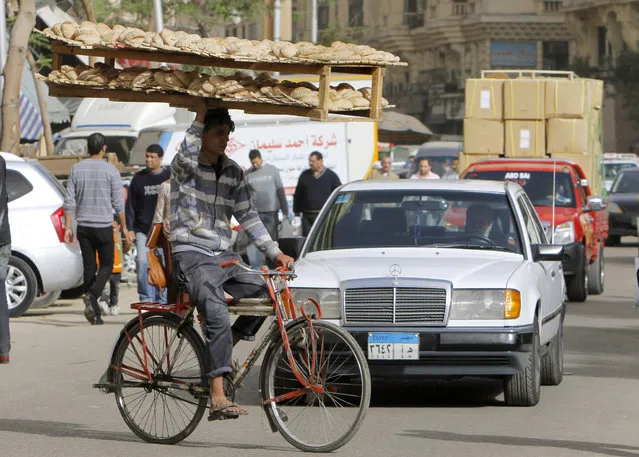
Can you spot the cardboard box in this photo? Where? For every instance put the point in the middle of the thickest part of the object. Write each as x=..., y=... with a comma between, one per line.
x=568, y=136
x=524, y=99
x=596, y=93
x=591, y=165
x=484, y=99
x=567, y=98
x=525, y=138
x=483, y=136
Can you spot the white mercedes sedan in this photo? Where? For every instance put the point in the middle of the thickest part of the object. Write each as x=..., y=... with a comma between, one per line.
x=439, y=278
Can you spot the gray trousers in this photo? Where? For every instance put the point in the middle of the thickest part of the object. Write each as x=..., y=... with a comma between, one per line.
x=207, y=281
x=5, y=335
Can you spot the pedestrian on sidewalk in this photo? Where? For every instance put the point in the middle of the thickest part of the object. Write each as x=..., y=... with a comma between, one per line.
x=94, y=193
x=267, y=197
x=5, y=253
x=314, y=187
x=140, y=206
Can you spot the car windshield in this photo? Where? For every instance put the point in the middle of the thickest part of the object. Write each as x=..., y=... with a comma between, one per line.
x=121, y=145
x=626, y=183
x=403, y=218
x=537, y=184
x=613, y=169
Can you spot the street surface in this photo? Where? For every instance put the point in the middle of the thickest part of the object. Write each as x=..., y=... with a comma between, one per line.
x=48, y=408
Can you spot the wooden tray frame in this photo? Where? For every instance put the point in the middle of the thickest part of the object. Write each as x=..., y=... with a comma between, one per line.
x=322, y=69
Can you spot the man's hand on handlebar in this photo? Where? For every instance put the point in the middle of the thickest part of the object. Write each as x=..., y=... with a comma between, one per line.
x=282, y=260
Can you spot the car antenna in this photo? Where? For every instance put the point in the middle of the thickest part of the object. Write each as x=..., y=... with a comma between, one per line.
x=554, y=185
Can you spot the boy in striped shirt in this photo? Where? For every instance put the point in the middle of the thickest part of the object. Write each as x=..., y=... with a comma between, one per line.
x=207, y=189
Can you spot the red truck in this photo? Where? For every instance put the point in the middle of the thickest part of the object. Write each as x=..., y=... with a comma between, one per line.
x=578, y=219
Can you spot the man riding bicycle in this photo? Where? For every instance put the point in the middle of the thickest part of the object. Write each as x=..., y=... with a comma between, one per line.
x=207, y=189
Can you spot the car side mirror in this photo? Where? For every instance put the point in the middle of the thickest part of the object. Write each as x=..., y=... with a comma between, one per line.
x=292, y=246
x=547, y=252
x=596, y=204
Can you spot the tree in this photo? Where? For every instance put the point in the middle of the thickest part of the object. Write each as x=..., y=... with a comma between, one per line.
x=202, y=14
x=18, y=48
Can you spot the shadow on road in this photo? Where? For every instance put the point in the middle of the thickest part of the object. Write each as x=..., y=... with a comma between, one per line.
x=617, y=450
x=69, y=430
x=465, y=392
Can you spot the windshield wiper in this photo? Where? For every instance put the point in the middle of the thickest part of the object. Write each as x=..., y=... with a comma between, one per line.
x=492, y=247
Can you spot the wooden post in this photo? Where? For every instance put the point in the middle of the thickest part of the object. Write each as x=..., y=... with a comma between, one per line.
x=90, y=12
x=42, y=103
x=324, y=89
x=376, y=93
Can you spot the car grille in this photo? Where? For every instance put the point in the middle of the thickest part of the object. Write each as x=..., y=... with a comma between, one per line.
x=395, y=305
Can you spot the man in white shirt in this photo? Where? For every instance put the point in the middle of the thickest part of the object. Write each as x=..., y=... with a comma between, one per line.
x=424, y=171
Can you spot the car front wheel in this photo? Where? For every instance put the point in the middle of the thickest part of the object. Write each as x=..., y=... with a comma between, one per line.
x=21, y=286
x=524, y=389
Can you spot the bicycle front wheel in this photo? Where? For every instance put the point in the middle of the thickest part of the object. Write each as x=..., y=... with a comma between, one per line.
x=331, y=358
x=166, y=408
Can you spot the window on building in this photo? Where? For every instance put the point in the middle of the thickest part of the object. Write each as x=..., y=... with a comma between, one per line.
x=463, y=7
x=251, y=31
x=604, y=48
x=556, y=55
x=323, y=18
x=356, y=13
x=552, y=6
x=414, y=13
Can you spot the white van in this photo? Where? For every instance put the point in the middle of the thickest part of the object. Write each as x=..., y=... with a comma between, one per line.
x=119, y=122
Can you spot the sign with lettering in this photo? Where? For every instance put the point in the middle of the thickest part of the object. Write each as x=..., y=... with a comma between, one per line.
x=513, y=54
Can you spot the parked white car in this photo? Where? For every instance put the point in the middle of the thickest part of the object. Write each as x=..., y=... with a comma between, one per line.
x=41, y=262
x=440, y=278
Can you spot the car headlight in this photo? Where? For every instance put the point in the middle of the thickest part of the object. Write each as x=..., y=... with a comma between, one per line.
x=564, y=233
x=470, y=304
x=328, y=300
x=614, y=208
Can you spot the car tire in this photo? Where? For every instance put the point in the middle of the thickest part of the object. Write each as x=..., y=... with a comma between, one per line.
x=613, y=240
x=524, y=389
x=577, y=285
x=21, y=286
x=46, y=299
x=552, y=363
x=596, y=274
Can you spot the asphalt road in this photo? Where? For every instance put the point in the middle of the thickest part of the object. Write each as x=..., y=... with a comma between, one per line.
x=48, y=408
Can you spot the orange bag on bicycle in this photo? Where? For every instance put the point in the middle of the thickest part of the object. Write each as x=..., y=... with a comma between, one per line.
x=155, y=275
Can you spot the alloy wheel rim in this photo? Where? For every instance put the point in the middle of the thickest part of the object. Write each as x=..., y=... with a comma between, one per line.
x=17, y=287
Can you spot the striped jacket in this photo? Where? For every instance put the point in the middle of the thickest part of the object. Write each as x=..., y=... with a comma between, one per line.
x=202, y=206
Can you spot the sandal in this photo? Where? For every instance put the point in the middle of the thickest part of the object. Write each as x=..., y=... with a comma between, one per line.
x=223, y=412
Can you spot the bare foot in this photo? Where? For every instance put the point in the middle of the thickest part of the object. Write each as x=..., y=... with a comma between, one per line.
x=221, y=402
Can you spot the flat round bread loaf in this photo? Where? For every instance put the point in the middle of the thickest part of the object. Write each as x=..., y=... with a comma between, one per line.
x=168, y=36
x=68, y=29
x=88, y=39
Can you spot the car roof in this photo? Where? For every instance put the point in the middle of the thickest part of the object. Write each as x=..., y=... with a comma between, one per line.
x=536, y=164
x=440, y=149
x=469, y=185
x=9, y=157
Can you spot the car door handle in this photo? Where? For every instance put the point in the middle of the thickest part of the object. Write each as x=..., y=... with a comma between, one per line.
x=552, y=273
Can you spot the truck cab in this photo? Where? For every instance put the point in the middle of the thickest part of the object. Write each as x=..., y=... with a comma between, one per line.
x=570, y=213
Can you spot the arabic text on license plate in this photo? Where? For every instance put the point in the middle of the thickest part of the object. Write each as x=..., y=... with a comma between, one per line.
x=393, y=346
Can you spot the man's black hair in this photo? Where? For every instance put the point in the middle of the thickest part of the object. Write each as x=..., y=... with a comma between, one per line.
x=156, y=148
x=254, y=153
x=218, y=116
x=317, y=154
x=95, y=143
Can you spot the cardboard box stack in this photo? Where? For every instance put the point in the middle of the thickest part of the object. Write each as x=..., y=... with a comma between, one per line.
x=534, y=117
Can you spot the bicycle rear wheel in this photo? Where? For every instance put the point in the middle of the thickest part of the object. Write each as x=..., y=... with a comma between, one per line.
x=317, y=422
x=167, y=408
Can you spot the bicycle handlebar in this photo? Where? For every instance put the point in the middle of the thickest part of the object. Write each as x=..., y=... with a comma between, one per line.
x=280, y=271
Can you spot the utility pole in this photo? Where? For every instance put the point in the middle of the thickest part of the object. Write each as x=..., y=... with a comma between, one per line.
x=159, y=18
x=277, y=20
x=314, y=22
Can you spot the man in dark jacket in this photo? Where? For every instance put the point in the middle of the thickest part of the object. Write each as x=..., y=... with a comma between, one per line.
x=314, y=187
x=140, y=208
x=5, y=253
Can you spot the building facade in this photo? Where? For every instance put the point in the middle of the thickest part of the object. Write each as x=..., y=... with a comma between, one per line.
x=447, y=41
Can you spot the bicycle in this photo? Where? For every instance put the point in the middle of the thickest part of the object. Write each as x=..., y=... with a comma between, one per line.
x=314, y=374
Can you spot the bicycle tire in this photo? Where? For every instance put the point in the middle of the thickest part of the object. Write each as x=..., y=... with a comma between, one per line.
x=276, y=379
x=146, y=408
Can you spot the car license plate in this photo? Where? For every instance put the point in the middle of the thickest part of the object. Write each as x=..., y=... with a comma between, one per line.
x=393, y=346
